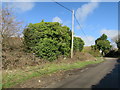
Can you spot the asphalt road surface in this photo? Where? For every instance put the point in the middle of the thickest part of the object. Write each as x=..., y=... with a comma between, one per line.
x=104, y=75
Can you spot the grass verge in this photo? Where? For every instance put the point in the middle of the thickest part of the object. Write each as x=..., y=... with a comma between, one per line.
x=13, y=77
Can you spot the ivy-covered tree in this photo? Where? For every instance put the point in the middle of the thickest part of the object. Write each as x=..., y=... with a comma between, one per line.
x=103, y=44
x=78, y=44
x=47, y=40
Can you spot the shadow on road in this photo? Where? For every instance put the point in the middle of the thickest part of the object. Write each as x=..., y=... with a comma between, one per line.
x=111, y=80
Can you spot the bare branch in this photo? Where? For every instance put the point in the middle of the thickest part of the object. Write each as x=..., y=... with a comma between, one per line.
x=10, y=25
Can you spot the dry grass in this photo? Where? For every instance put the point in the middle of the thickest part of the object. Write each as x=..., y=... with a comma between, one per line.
x=19, y=59
x=14, y=56
x=88, y=49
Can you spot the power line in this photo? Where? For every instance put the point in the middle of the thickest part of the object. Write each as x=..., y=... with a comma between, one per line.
x=72, y=25
x=62, y=6
x=80, y=27
x=74, y=16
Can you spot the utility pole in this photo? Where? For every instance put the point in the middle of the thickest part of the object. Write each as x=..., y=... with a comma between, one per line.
x=72, y=33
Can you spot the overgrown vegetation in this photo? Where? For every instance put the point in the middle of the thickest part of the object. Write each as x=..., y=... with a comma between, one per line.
x=78, y=44
x=48, y=40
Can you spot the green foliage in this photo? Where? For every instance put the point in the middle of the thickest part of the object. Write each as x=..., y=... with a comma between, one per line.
x=103, y=37
x=78, y=44
x=118, y=43
x=103, y=44
x=94, y=47
x=47, y=49
x=47, y=40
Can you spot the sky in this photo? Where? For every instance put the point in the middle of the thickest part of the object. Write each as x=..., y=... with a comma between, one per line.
x=95, y=18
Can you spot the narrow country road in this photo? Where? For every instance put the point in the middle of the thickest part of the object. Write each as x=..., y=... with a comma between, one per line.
x=104, y=75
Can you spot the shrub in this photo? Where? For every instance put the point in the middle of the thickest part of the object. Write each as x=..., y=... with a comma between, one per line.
x=78, y=44
x=47, y=40
x=47, y=49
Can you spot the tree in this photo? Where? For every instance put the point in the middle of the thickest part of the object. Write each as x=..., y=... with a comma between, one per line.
x=103, y=37
x=103, y=44
x=48, y=40
x=10, y=25
x=78, y=44
x=116, y=39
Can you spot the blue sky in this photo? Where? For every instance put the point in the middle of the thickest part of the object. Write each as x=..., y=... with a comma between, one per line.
x=95, y=18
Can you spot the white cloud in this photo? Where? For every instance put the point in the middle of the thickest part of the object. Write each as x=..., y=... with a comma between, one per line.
x=110, y=33
x=56, y=19
x=22, y=6
x=88, y=40
x=86, y=9
x=114, y=45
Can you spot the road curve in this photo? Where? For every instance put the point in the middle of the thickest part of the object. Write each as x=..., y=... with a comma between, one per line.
x=104, y=75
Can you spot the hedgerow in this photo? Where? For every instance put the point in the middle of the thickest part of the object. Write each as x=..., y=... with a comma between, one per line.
x=48, y=40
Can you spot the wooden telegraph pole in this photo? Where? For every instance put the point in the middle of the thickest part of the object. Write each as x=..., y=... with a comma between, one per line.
x=72, y=33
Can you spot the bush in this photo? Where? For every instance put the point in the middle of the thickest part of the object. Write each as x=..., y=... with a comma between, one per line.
x=47, y=49
x=78, y=44
x=47, y=40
